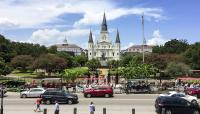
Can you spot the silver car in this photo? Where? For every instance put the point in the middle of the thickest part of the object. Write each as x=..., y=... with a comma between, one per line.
x=33, y=92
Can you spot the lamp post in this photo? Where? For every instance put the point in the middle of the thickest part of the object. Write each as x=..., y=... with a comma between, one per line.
x=97, y=76
x=2, y=93
x=108, y=77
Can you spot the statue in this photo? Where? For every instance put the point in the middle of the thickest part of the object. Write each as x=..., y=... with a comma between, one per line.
x=103, y=56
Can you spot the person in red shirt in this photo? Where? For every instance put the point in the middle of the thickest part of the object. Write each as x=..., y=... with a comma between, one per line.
x=38, y=102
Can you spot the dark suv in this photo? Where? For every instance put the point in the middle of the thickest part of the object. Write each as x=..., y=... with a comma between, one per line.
x=61, y=96
x=175, y=105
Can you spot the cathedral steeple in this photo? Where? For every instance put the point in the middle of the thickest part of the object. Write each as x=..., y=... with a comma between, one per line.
x=104, y=23
x=117, y=37
x=90, y=38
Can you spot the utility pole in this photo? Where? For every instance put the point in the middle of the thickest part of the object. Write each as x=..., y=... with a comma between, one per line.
x=144, y=41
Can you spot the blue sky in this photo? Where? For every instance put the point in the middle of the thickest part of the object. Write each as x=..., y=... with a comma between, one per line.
x=48, y=22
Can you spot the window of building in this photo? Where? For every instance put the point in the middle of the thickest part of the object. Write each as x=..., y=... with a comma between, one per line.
x=113, y=54
x=95, y=54
x=90, y=53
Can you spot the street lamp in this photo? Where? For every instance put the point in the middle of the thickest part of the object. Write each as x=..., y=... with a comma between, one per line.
x=2, y=93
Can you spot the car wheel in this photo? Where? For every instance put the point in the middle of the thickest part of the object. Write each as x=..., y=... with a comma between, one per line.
x=70, y=101
x=48, y=102
x=196, y=112
x=42, y=102
x=24, y=96
x=107, y=95
x=89, y=95
x=194, y=102
x=168, y=112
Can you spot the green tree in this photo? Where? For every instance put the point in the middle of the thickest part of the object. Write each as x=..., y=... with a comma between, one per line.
x=172, y=46
x=80, y=60
x=73, y=73
x=161, y=60
x=52, y=49
x=113, y=64
x=4, y=68
x=22, y=62
x=68, y=58
x=93, y=64
x=138, y=71
x=175, y=69
x=50, y=63
x=192, y=56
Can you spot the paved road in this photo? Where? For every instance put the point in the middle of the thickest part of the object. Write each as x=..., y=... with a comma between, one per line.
x=119, y=104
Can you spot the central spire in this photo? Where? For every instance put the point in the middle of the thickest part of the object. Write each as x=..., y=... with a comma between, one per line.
x=104, y=24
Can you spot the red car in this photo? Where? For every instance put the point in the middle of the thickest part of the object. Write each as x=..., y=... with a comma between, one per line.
x=193, y=91
x=99, y=91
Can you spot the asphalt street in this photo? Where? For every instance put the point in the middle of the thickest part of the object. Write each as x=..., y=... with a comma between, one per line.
x=119, y=104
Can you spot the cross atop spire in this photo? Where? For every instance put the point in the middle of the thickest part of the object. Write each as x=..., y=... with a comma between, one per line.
x=90, y=37
x=104, y=23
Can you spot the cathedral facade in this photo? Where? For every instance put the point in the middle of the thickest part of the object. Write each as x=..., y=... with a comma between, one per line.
x=104, y=49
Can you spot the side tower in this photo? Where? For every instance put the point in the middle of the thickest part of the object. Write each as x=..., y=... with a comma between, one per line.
x=90, y=47
x=117, y=46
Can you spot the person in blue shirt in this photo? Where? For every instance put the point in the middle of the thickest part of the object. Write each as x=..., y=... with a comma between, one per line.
x=91, y=108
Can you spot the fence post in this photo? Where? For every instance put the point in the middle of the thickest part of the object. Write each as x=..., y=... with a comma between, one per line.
x=45, y=111
x=163, y=110
x=104, y=110
x=133, y=110
x=75, y=110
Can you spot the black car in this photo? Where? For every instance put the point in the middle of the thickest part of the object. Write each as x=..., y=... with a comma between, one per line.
x=61, y=96
x=175, y=105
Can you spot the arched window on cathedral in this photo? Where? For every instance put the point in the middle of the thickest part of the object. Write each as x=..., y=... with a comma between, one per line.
x=90, y=53
x=113, y=54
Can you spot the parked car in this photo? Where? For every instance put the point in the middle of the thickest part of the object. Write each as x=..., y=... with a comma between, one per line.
x=98, y=91
x=33, y=92
x=193, y=91
x=175, y=105
x=61, y=96
x=189, y=98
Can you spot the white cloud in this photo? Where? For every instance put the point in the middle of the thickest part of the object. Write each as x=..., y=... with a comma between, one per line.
x=157, y=39
x=53, y=36
x=91, y=17
x=6, y=23
x=32, y=13
x=127, y=46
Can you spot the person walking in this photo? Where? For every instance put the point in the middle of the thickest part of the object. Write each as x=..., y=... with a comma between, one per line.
x=56, y=108
x=38, y=102
x=91, y=108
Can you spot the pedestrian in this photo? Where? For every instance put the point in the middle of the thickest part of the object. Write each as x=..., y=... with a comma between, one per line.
x=38, y=102
x=91, y=108
x=56, y=108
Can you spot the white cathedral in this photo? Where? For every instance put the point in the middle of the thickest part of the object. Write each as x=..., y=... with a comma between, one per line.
x=104, y=49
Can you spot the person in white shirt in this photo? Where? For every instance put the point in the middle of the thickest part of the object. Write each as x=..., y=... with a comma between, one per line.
x=57, y=108
x=91, y=108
